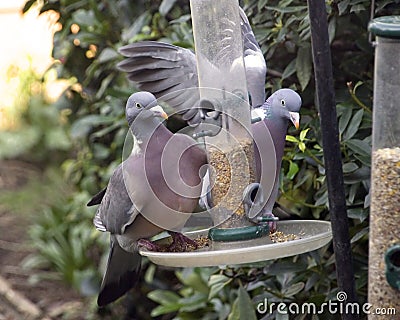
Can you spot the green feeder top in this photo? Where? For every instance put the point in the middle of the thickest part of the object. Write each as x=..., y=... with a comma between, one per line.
x=387, y=26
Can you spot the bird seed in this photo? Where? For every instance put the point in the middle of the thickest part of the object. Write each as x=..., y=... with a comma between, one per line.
x=233, y=172
x=279, y=236
x=384, y=225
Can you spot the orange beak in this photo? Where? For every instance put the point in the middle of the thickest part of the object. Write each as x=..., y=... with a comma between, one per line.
x=159, y=112
x=295, y=118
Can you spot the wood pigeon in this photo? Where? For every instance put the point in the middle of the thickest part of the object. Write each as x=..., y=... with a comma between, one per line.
x=155, y=188
x=280, y=108
x=166, y=70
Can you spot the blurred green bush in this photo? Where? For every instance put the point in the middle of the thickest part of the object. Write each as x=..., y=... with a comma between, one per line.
x=40, y=128
x=86, y=47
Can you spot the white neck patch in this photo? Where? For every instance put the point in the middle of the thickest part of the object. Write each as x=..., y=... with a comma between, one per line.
x=136, y=146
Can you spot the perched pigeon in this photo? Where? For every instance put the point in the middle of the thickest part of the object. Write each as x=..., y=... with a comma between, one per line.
x=280, y=108
x=166, y=70
x=146, y=186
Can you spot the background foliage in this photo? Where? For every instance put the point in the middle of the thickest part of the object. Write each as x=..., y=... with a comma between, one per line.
x=85, y=50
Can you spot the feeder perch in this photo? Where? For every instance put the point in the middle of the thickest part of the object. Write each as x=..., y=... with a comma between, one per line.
x=385, y=170
x=392, y=261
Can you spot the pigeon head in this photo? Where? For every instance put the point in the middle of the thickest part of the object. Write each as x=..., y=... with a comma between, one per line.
x=143, y=105
x=282, y=105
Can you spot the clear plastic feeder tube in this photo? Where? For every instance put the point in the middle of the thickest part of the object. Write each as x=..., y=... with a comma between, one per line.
x=385, y=171
x=222, y=80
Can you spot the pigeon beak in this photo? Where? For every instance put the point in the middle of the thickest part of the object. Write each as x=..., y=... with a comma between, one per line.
x=295, y=118
x=158, y=111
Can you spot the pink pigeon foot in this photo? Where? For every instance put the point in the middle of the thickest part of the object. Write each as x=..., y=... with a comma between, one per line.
x=151, y=246
x=270, y=219
x=181, y=242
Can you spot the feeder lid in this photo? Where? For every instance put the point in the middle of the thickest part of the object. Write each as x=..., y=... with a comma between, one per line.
x=387, y=26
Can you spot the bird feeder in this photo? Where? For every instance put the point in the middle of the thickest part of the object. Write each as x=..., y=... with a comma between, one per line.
x=224, y=105
x=236, y=235
x=385, y=172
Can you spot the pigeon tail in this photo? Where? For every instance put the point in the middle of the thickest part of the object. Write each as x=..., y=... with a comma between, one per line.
x=97, y=198
x=122, y=273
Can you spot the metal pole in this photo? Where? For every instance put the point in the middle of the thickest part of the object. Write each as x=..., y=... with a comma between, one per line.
x=332, y=155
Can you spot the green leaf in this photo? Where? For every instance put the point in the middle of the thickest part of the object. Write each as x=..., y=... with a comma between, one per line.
x=323, y=199
x=292, y=139
x=242, y=307
x=303, y=134
x=293, y=289
x=293, y=169
x=354, y=124
x=289, y=70
x=364, y=159
x=34, y=261
x=193, y=279
x=345, y=117
x=14, y=144
x=193, y=302
x=160, y=310
x=166, y=6
x=342, y=6
x=357, y=213
x=84, y=18
x=105, y=84
x=149, y=275
x=357, y=8
x=214, y=289
x=358, y=146
x=82, y=126
x=261, y=4
x=287, y=9
x=358, y=84
x=217, y=278
x=332, y=28
x=359, y=235
x=286, y=267
x=302, y=146
x=57, y=139
x=304, y=66
x=107, y=54
x=136, y=27
x=349, y=167
x=164, y=297
x=352, y=192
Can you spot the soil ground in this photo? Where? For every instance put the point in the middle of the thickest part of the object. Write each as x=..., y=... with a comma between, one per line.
x=20, y=297
x=51, y=298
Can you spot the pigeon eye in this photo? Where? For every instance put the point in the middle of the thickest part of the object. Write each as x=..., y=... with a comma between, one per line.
x=283, y=103
x=138, y=105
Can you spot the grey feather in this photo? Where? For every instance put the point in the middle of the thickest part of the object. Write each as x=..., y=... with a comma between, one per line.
x=162, y=68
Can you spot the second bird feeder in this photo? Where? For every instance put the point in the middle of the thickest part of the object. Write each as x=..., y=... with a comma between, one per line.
x=384, y=241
